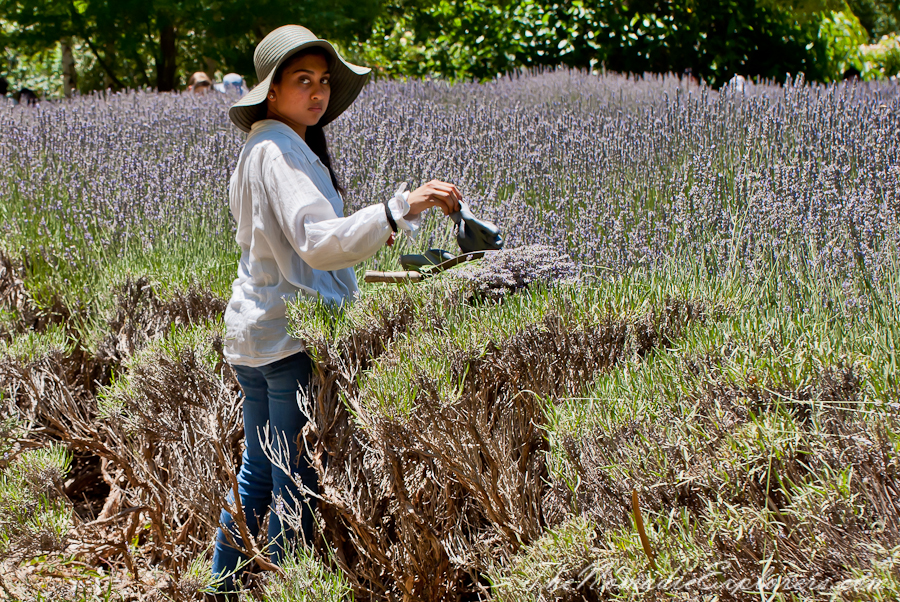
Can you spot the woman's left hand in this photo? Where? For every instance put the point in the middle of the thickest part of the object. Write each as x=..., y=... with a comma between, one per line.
x=434, y=194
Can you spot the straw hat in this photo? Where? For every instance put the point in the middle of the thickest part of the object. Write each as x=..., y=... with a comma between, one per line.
x=347, y=79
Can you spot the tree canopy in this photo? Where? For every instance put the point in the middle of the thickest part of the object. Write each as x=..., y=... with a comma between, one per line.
x=713, y=39
x=141, y=43
x=158, y=43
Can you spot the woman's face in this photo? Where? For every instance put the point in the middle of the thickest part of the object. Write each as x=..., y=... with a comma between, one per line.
x=301, y=97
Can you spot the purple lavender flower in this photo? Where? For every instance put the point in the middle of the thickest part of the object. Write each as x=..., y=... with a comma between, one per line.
x=509, y=270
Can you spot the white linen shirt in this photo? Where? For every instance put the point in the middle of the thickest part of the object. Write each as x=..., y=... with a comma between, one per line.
x=294, y=239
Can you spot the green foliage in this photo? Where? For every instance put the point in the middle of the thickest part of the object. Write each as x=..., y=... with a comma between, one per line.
x=36, y=67
x=843, y=36
x=879, y=17
x=881, y=59
x=478, y=39
x=34, y=516
x=158, y=43
x=304, y=579
x=196, y=340
x=558, y=554
x=196, y=582
x=31, y=345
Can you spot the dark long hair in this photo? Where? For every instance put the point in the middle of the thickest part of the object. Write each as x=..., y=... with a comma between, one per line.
x=315, y=140
x=315, y=134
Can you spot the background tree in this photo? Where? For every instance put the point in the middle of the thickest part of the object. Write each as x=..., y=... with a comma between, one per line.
x=154, y=43
x=718, y=39
x=714, y=39
x=157, y=43
x=878, y=17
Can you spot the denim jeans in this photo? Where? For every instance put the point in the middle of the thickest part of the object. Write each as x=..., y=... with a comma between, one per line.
x=270, y=397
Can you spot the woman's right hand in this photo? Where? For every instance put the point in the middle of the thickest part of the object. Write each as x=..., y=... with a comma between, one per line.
x=434, y=194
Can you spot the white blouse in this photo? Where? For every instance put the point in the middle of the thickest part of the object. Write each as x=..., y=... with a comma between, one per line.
x=293, y=238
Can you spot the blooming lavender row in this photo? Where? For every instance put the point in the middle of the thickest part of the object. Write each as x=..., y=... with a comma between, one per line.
x=112, y=168
x=614, y=171
x=619, y=172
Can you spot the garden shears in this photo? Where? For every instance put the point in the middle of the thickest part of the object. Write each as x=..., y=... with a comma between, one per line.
x=475, y=237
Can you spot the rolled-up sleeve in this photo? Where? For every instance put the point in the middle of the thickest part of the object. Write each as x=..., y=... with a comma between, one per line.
x=320, y=237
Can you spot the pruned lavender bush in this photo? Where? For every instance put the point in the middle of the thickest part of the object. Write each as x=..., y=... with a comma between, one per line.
x=142, y=315
x=304, y=578
x=510, y=270
x=35, y=516
x=160, y=443
x=175, y=421
x=430, y=448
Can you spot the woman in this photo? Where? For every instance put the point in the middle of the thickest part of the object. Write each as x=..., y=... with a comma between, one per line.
x=294, y=240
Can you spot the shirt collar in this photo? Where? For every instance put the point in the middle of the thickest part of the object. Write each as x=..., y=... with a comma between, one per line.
x=264, y=126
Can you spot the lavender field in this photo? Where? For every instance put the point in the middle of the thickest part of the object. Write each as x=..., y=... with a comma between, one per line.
x=727, y=355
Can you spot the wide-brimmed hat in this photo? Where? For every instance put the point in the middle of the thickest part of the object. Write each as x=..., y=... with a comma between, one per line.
x=346, y=78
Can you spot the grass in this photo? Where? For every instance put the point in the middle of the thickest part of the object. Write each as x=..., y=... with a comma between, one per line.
x=762, y=436
x=773, y=394
x=305, y=579
x=82, y=277
x=748, y=434
x=34, y=517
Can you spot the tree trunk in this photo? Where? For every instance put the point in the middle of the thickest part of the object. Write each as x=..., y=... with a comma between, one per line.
x=165, y=59
x=108, y=79
x=69, y=76
x=211, y=66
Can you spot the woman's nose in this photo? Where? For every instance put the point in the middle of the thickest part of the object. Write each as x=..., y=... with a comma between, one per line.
x=319, y=92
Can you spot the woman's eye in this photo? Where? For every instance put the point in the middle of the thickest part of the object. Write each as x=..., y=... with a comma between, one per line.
x=325, y=81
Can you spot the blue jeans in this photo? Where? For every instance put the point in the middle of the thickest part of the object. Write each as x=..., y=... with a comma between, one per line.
x=270, y=396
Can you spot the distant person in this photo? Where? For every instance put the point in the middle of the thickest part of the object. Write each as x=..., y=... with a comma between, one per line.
x=232, y=83
x=851, y=74
x=4, y=86
x=738, y=83
x=199, y=83
x=689, y=77
x=26, y=96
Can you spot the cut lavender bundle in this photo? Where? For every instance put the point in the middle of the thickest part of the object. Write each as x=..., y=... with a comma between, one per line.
x=510, y=270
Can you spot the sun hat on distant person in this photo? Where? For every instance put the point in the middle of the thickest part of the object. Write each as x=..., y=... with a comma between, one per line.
x=347, y=79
